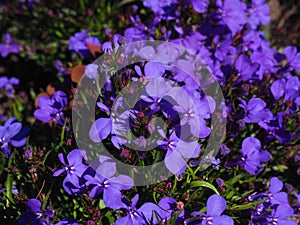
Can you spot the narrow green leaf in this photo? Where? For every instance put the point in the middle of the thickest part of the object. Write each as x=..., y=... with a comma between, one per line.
x=204, y=184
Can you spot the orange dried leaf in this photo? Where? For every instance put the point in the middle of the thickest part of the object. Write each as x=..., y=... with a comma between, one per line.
x=76, y=73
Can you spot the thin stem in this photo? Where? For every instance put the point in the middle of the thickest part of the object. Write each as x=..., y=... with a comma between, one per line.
x=9, y=180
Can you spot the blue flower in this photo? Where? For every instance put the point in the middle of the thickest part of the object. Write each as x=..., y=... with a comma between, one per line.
x=215, y=206
x=246, y=69
x=78, y=43
x=177, y=151
x=255, y=110
x=288, y=87
x=232, y=13
x=148, y=213
x=293, y=58
x=9, y=46
x=105, y=182
x=253, y=156
x=74, y=169
x=259, y=13
x=52, y=109
x=7, y=85
x=11, y=133
x=35, y=215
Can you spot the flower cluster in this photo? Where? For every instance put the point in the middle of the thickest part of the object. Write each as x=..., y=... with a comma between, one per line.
x=191, y=94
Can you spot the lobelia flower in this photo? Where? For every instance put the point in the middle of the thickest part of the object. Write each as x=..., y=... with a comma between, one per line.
x=253, y=156
x=35, y=215
x=15, y=191
x=67, y=221
x=51, y=109
x=78, y=43
x=200, y=6
x=102, y=127
x=232, y=13
x=105, y=182
x=12, y=133
x=156, y=89
x=165, y=9
x=192, y=113
x=60, y=68
x=264, y=56
x=278, y=216
x=288, y=87
x=91, y=71
x=148, y=213
x=9, y=46
x=177, y=151
x=225, y=52
x=255, y=110
x=170, y=209
x=259, y=13
x=274, y=195
x=7, y=85
x=246, y=69
x=215, y=206
x=74, y=169
x=293, y=58
x=276, y=128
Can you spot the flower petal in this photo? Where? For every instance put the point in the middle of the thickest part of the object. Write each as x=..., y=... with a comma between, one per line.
x=100, y=129
x=215, y=205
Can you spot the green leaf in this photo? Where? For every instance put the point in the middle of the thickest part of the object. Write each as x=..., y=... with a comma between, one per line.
x=246, y=206
x=204, y=184
x=102, y=204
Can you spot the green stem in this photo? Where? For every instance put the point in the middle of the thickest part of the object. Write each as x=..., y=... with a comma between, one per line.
x=9, y=181
x=45, y=200
x=82, y=5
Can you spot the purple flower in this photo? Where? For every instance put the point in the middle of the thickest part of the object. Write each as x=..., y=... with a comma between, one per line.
x=35, y=215
x=9, y=46
x=276, y=128
x=102, y=127
x=78, y=43
x=91, y=71
x=170, y=209
x=51, y=109
x=177, y=150
x=67, y=221
x=274, y=195
x=287, y=87
x=7, y=85
x=246, y=69
x=278, y=216
x=114, y=125
x=60, y=68
x=200, y=6
x=255, y=110
x=74, y=168
x=148, y=213
x=292, y=57
x=215, y=206
x=105, y=182
x=11, y=133
x=15, y=191
x=253, y=156
x=259, y=13
x=166, y=9
x=264, y=56
x=224, y=150
x=225, y=52
x=192, y=113
x=232, y=13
